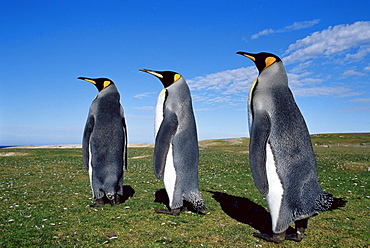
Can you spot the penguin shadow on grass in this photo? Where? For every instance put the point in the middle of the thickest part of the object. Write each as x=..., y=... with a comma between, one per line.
x=128, y=192
x=245, y=211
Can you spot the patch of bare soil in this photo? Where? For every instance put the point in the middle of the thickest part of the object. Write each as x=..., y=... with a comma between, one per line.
x=8, y=154
x=234, y=141
x=357, y=167
x=143, y=156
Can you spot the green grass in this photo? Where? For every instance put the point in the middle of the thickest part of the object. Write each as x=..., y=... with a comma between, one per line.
x=45, y=195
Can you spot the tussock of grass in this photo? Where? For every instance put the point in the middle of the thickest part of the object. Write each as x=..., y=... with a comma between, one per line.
x=45, y=195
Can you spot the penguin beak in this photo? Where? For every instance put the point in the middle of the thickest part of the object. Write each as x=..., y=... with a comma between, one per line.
x=87, y=79
x=155, y=73
x=248, y=55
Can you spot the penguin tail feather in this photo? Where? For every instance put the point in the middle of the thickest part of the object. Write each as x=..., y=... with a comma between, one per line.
x=326, y=202
x=338, y=203
x=196, y=201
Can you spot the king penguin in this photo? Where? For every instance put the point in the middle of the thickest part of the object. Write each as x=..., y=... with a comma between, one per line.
x=104, y=144
x=281, y=157
x=176, y=143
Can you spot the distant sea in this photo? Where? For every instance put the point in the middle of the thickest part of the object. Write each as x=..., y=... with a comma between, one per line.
x=5, y=146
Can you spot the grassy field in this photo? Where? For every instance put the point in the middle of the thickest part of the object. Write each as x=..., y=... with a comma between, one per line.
x=45, y=195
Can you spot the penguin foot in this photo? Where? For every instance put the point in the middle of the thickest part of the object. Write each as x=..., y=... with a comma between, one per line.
x=120, y=199
x=111, y=198
x=297, y=236
x=276, y=237
x=170, y=212
x=201, y=211
x=98, y=203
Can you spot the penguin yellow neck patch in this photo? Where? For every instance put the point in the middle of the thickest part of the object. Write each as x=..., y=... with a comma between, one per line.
x=251, y=91
x=163, y=92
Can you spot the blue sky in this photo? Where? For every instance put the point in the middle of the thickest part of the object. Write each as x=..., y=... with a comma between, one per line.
x=46, y=45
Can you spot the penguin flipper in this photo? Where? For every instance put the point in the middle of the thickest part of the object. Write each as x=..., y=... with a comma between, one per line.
x=86, y=140
x=260, y=132
x=163, y=140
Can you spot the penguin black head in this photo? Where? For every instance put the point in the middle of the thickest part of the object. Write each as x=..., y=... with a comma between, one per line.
x=167, y=77
x=262, y=60
x=100, y=83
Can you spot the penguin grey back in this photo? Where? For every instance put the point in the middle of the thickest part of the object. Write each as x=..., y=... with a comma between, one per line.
x=288, y=130
x=282, y=160
x=179, y=100
x=178, y=128
x=175, y=123
x=176, y=141
x=185, y=140
x=105, y=142
x=276, y=119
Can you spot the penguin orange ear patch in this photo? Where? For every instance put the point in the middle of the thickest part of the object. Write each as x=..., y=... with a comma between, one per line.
x=269, y=61
x=106, y=84
x=176, y=77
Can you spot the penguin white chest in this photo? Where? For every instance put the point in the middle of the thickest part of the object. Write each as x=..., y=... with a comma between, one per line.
x=275, y=194
x=169, y=177
x=90, y=169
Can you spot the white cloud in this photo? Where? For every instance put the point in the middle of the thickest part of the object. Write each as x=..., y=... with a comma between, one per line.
x=294, y=26
x=360, y=54
x=367, y=68
x=145, y=108
x=230, y=81
x=231, y=87
x=140, y=116
x=306, y=76
x=301, y=67
x=360, y=100
x=143, y=95
x=352, y=72
x=301, y=78
x=340, y=91
x=330, y=42
x=302, y=25
x=203, y=109
x=351, y=110
x=213, y=99
x=264, y=33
